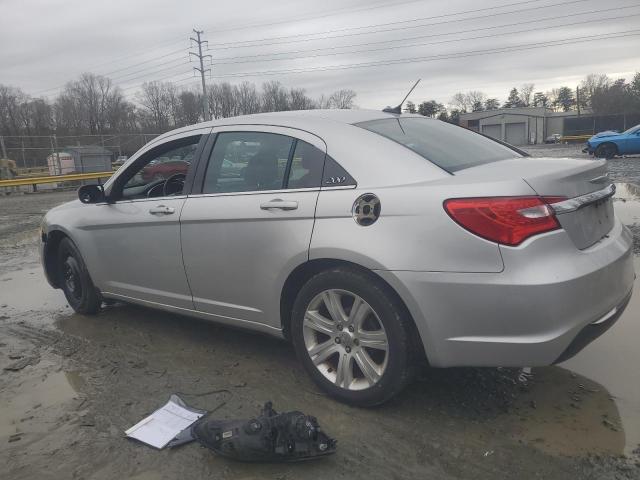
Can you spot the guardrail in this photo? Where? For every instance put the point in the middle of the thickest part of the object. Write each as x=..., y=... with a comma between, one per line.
x=575, y=138
x=17, y=182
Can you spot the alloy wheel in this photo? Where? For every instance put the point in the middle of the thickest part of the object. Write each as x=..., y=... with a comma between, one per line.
x=71, y=277
x=345, y=339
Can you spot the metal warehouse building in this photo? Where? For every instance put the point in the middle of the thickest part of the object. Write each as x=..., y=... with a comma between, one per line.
x=517, y=126
x=531, y=125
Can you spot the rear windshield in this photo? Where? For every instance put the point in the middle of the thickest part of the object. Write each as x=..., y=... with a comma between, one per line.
x=450, y=147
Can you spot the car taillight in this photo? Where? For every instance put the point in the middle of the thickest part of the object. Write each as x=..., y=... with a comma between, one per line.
x=505, y=220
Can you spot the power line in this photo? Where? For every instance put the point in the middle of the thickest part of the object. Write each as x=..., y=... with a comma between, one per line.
x=152, y=67
x=550, y=27
x=173, y=42
x=315, y=17
x=221, y=60
x=296, y=38
x=471, y=53
x=56, y=89
x=136, y=53
x=181, y=50
x=166, y=77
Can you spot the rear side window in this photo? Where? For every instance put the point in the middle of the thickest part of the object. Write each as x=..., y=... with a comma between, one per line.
x=306, y=166
x=247, y=161
x=448, y=146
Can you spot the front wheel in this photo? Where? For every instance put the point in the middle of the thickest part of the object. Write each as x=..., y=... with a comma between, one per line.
x=75, y=281
x=606, y=150
x=353, y=336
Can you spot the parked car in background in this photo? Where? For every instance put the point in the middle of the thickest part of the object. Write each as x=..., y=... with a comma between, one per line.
x=163, y=168
x=610, y=143
x=554, y=138
x=119, y=161
x=372, y=241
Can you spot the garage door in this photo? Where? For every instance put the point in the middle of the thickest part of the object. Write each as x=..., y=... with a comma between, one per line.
x=516, y=133
x=494, y=131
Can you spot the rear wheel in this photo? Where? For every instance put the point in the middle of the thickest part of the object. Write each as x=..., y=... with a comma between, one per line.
x=75, y=281
x=606, y=150
x=352, y=336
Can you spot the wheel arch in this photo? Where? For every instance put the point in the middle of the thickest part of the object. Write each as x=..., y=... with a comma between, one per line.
x=51, y=241
x=303, y=272
x=606, y=143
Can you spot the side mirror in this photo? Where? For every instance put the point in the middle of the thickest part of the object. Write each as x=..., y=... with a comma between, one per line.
x=91, y=194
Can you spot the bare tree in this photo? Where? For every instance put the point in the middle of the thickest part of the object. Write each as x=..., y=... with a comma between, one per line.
x=526, y=90
x=475, y=100
x=190, y=108
x=323, y=102
x=274, y=97
x=460, y=101
x=247, y=99
x=155, y=99
x=298, y=100
x=342, y=99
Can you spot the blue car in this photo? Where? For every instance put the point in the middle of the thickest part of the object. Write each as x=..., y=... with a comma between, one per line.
x=609, y=144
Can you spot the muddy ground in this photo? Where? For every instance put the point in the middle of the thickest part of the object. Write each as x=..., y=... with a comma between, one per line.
x=70, y=385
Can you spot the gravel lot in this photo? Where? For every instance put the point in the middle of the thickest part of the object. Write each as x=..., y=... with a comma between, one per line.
x=79, y=382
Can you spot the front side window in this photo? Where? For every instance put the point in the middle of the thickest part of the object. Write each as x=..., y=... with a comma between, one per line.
x=247, y=161
x=162, y=171
x=450, y=147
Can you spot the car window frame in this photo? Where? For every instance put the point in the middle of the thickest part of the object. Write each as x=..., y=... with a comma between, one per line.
x=117, y=181
x=294, y=133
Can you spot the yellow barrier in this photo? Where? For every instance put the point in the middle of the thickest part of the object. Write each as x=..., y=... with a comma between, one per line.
x=569, y=138
x=16, y=182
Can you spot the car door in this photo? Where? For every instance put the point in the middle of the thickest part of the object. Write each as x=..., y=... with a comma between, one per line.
x=251, y=221
x=134, y=249
x=632, y=142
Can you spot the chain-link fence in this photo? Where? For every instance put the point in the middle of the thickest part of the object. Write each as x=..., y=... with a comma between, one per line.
x=591, y=124
x=44, y=152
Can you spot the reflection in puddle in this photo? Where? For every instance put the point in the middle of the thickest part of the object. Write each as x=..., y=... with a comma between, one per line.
x=566, y=414
x=613, y=360
x=35, y=394
x=627, y=203
x=27, y=290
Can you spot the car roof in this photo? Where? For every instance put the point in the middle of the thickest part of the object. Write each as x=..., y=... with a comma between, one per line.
x=301, y=119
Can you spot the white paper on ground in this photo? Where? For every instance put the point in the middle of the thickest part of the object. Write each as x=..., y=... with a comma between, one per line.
x=163, y=425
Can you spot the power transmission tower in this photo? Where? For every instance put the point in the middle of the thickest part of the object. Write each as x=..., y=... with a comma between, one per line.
x=202, y=70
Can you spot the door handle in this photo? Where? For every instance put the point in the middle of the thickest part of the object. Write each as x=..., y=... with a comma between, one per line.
x=279, y=204
x=162, y=210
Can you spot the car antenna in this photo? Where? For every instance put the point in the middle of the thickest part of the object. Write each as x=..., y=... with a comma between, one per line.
x=398, y=109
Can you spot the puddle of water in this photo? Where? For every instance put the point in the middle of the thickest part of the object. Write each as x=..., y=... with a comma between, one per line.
x=613, y=360
x=36, y=393
x=565, y=419
x=627, y=203
x=27, y=290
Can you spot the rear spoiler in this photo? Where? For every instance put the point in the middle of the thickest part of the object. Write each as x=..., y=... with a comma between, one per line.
x=576, y=203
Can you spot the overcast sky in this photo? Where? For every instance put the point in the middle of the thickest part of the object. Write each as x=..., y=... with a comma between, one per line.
x=44, y=43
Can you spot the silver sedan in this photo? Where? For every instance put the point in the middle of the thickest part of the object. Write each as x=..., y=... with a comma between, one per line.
x=372, y=241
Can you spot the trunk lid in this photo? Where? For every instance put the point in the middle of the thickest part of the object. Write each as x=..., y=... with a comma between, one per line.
x=592, y=216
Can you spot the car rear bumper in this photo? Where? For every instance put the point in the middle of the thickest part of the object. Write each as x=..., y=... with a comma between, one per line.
x=538, y=311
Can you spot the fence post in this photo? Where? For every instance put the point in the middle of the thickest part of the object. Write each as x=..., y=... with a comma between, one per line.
x=4, y=149
x=24, y=159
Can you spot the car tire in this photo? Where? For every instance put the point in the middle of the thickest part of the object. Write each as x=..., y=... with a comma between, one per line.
x=606, y=150
x=356, y=341
x=75, y=281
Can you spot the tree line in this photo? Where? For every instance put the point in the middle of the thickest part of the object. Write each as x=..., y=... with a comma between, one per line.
x=596, y=93
x=93, y=104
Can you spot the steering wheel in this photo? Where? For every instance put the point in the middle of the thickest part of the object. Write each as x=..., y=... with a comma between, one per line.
x=174, y=184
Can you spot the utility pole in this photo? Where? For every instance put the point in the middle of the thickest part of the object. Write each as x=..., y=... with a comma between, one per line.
x=205, y=98
x=578, y=99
